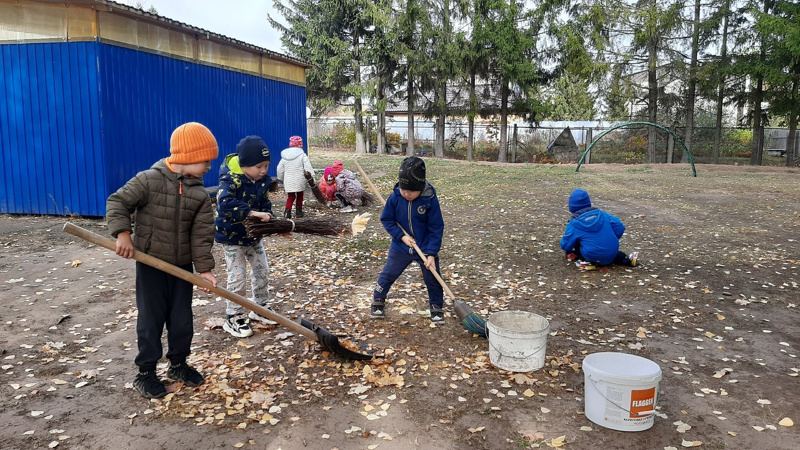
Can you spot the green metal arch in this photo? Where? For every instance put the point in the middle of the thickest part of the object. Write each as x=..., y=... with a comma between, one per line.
x=628, y=124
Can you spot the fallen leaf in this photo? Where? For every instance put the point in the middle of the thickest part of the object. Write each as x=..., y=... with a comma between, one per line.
x=786, y=422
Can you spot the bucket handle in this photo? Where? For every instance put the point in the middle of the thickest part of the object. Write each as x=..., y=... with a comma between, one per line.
x=526, y=356
x=640, y=414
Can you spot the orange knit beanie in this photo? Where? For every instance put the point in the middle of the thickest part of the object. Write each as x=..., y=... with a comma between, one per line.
x=192, y=143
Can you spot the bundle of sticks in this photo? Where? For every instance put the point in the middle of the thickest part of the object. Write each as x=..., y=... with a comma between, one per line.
x=315, y=189
x=321, y=226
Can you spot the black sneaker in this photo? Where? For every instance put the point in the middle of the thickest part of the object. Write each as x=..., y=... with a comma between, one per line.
x=148, y=385
x=437, y=315
x=378, y=309
x=186, y=374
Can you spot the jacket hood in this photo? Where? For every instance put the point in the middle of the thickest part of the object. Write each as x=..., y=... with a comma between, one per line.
x=591, y=220
x=231, y=165
x=161, y=166
x=292, y=153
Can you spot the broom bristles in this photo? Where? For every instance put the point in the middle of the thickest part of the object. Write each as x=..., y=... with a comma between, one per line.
x=322, y=226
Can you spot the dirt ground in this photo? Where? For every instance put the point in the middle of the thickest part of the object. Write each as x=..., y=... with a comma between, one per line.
x=713, y=303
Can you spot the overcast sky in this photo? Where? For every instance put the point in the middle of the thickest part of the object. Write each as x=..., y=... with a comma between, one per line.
x=245, y=20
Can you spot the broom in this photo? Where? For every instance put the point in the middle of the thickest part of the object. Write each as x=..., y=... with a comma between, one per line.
x=315, y=189
x=320, y=226
x=471, y=321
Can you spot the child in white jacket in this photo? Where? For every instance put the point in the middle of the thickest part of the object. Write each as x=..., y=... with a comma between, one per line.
x=292, y=168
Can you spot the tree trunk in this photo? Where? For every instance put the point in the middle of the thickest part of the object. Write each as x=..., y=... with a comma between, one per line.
x=439, y=134
x=652, y=104
x=471, y=119
x=514, y=145
x=504, y=93
x=410, y=147
x=721, y=82
x=381, y=131
x=690, y=98
x=361, y=146
x=441, y=119
x=381, y=118
x=757, y=154
x=791, y=139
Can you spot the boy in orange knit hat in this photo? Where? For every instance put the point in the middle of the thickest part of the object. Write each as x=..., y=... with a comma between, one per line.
x=175, y=223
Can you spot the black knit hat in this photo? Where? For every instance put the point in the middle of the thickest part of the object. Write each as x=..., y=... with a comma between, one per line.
x=252, y=150
x=412, y=174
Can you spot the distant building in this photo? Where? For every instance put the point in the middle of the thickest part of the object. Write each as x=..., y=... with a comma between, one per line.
x=91, y=91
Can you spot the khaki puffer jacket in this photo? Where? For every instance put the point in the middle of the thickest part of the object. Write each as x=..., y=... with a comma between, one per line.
x=178, y=229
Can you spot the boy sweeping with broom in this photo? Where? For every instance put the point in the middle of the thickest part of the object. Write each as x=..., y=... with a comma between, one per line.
x=414, y=207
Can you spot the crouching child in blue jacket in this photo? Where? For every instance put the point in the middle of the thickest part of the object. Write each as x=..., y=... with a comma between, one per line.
x=414, y=207
x=592, y=235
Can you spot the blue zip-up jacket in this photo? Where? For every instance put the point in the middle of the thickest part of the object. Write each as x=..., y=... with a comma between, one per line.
x=237, y=196
x=422, y=219
x=598, y=234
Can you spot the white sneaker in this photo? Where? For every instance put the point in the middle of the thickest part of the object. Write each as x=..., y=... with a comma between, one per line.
x=237, y=326
x=259, y=318
x=634, y=257
x=347, y=209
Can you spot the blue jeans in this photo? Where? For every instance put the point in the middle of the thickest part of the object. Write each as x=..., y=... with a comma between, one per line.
x=396, y=263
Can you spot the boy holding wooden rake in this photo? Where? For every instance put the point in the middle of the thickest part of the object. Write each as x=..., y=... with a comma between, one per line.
x=174, y=223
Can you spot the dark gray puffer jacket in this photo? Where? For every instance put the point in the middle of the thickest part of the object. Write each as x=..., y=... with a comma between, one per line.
x=173, y=216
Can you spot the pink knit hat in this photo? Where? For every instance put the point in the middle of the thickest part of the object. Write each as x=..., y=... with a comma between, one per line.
x=295, y=141
x=337, y=167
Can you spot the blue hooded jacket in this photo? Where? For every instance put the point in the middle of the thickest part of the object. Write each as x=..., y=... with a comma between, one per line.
x=598, y=234
x=237, y=196
x=421, y=218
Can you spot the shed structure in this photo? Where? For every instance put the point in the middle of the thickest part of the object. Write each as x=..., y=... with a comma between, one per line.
x=90, y=92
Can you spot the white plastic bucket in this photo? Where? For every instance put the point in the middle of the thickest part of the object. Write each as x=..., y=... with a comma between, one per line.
x=517, y=340
x=621, y=390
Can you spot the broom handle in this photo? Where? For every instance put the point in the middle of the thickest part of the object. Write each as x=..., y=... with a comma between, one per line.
x=196, y=280
x=416, y=247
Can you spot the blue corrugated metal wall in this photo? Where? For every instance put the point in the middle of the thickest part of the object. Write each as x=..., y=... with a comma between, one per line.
x=77, y=120
x=146, y=96
x=50, y=143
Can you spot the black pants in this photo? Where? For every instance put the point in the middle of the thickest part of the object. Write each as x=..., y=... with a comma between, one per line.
x=621, y=258
x=162, y=299
x=342, y=199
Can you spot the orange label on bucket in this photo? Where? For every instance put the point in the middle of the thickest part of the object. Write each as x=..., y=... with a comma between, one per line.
x=642, y=400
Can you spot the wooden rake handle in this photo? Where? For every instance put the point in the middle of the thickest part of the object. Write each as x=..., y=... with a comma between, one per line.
x=196, y=280
x=416, y=247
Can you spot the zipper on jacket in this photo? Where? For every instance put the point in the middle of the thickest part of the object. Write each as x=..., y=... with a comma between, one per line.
x=178, y=219
x=410, y=225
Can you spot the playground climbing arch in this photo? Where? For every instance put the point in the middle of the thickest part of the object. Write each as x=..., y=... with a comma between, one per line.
x=631, y=124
